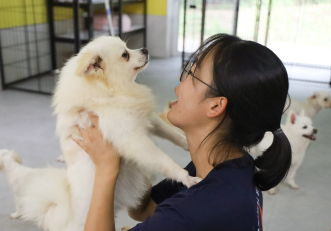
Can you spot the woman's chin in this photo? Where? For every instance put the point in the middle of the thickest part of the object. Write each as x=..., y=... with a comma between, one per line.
x=171, y=119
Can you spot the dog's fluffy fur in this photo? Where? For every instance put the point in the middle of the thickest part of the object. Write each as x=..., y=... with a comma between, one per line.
x=47, y=202
x=162, y=115
x=299, y=131
x=101, y=79
x=319, y=100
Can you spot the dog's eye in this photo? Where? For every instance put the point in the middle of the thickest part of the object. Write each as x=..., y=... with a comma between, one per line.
x=126, y=55
x=326, y=99
x=305, y=127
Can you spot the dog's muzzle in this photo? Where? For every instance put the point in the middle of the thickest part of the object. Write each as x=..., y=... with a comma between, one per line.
x=311, y=137
x=144, y=52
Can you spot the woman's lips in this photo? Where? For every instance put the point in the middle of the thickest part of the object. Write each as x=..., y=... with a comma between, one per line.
x=173, y=103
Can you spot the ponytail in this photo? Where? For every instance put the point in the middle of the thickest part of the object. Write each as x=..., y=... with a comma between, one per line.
x=255, y=82
x=274, y=163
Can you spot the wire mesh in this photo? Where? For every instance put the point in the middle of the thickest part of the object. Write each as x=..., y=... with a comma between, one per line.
x=63, y=38
x=300, y=34
x=202, y=21
x=25, y=45
x=219, y=17
x=192, y=10
x=298, y=31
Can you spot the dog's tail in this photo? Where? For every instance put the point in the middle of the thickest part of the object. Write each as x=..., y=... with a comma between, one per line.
x=45, y=198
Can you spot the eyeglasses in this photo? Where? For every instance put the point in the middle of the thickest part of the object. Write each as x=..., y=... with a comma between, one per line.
x=187, y=71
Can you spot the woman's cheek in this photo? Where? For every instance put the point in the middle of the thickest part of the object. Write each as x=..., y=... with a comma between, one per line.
x=174, y=117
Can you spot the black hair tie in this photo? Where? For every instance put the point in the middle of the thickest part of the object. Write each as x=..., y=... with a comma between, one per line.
x=278, y=131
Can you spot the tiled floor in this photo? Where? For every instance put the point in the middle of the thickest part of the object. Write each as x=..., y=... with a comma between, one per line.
x=27, y=125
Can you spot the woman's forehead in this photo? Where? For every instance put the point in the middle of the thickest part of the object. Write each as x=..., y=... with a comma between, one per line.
x=205, y=66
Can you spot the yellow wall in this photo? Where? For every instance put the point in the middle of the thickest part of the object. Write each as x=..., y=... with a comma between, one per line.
x=154, y=7
x=12, y=12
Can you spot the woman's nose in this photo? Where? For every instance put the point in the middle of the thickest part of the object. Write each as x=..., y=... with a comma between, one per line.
x=176, y=90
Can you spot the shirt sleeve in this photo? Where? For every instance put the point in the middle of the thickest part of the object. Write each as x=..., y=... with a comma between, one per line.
x=166, y=218
x=163, y=190
x=167, y=188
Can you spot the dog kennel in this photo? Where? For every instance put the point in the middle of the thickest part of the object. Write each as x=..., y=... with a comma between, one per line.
x=38, y=36
x=297, y=31
x=25, y=54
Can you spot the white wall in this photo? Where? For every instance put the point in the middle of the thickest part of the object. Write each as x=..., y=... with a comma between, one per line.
x=162, y=32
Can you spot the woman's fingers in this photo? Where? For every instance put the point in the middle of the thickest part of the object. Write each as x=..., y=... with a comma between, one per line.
x=82, y=131
x=94, y=119
x=79, y=142
x=126, y=228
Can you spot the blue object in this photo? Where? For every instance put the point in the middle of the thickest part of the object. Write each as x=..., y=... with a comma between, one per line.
x=226, y=200
x=108, y=10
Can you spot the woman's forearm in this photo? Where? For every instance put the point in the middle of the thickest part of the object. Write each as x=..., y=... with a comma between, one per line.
x=146, y=208
x=101, y=212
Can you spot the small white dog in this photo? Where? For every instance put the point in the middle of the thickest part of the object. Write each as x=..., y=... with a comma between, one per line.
x=101, y=79
x=319, y=100
x=49, y=194
x=162, y=115
x=299, y=131
x=10, y=162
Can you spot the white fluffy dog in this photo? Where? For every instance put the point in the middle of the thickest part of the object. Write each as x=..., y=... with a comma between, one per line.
x=10, y=164
x=299, y=131
x=47, y=202
x=101, y=79
x=319, y=100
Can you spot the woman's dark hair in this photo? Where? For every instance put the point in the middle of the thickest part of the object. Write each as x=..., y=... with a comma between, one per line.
x=255, y=83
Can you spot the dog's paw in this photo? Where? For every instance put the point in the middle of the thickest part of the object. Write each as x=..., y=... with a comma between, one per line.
x=190, y=181
x=126, y=228
x=272, y=191
x=60, y=158
x=182, y=142
x=184, y=145
x=15, y=215
x=293, y=185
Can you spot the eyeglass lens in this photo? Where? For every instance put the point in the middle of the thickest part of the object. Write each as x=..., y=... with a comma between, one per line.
x=186, y=71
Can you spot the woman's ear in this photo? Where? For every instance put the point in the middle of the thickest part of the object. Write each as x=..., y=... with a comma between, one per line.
x=217, y=106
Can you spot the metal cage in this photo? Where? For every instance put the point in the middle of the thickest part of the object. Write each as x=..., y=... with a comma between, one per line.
x=25, y=51
x=38, y=36
x=297, y=31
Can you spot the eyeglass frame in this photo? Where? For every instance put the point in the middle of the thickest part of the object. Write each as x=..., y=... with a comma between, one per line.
x=189, y=72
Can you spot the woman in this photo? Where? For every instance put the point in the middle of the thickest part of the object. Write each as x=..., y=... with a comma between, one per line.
x=231, y=92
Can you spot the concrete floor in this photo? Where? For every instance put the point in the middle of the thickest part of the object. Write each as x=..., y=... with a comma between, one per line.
x=27, y=125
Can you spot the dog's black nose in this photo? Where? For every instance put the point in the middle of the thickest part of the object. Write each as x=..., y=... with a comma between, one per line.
x=144, y=51
x=315, y=131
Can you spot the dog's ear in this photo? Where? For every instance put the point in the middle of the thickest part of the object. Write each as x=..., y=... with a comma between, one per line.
x=302, y=112
x=292, y=117
x=15, y=156
x=89, y=65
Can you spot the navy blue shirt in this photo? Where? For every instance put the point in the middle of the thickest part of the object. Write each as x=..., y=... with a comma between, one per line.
x=226, y=199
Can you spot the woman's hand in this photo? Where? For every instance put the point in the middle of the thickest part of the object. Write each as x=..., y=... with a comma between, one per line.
x=102, y=153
